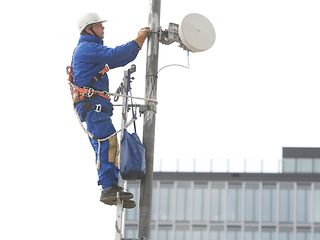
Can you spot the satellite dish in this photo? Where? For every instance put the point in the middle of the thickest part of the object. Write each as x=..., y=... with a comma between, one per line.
x=196, y=32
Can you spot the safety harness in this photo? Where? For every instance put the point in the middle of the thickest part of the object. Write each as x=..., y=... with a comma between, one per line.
x=81, y=93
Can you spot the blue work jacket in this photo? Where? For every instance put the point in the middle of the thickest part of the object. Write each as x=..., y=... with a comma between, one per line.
x=90, y=56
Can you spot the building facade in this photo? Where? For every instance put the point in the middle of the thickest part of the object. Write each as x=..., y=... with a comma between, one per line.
x=233, y=206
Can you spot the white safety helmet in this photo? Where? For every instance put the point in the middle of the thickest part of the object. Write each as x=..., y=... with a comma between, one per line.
x=88, y=19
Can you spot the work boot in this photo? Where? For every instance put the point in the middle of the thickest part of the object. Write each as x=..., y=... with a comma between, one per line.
x=129, y=204
x=109, y=195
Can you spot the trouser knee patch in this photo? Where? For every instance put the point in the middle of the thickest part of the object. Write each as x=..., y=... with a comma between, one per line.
x=113, y=152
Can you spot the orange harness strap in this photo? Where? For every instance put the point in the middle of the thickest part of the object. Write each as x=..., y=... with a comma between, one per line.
x=80, y=93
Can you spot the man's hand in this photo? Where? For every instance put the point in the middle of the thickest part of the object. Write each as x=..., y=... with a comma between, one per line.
x=144, y=32
x=142, y=35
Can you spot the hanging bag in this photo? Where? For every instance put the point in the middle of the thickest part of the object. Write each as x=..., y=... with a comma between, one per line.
x=132, y=151
x=132, y=157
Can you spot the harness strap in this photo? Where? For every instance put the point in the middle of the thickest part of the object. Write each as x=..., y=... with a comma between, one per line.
x=80, y=93
x=102, y=72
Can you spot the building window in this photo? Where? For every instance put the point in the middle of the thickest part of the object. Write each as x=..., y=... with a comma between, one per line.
x=199, y=233
x=303, y=204
x=286, y=203
x=153, y=233
x=233, y=233
x=251, y=233
x=317, y=165
x=131, y=232
x=316, y=202
x=303, y=234
x=316, y=233
x=268, y=234
x=183, y=197
x=289, y=165
x=216, y=233
x=251, y=203
x=269, y=199
x=155, y=197
x=165, y=232
x=285, y=234
x=200, y=202
x=304, y=165
x=217, y=202
x=182, y=233
x=132, y=214
x=166, y=204
x=234, y=203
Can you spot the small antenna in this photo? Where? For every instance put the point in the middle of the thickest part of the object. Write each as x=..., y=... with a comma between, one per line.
x=195, y=33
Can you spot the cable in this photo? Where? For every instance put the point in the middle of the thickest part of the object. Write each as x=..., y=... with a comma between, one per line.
x=177, y=65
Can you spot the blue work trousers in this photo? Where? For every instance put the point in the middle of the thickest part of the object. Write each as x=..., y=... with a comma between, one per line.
x=100, y=125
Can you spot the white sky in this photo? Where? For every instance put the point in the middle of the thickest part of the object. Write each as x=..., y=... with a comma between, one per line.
x=255, y=91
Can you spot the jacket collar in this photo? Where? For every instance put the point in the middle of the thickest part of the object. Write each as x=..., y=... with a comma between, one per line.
x=90, y=38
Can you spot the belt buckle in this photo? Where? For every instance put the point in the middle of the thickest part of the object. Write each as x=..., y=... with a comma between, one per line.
x=98, y=108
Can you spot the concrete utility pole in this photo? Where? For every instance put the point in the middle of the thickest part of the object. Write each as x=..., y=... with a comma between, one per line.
x=149, y=119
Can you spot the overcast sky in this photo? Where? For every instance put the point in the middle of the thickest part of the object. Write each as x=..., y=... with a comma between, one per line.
x=255, y=91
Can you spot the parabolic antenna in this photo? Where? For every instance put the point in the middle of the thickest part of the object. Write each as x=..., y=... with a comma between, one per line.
x=196, y=32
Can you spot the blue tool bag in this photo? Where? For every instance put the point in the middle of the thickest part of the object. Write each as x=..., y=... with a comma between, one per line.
x=132, y=157
x=132, y=152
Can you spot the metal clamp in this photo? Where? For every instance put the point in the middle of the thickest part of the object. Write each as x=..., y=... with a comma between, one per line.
x=98, y=108
x=90, y=92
